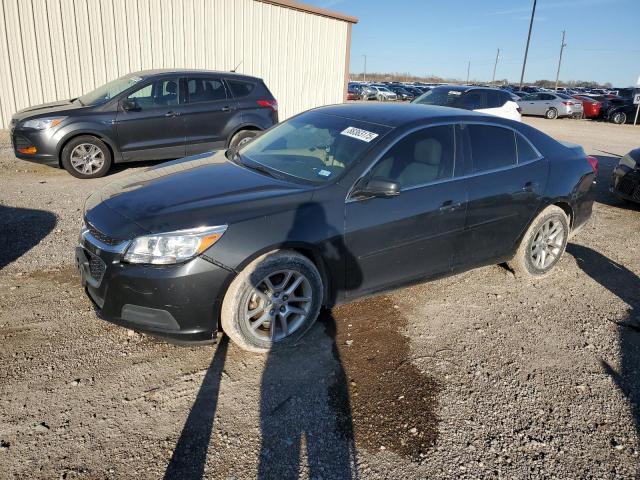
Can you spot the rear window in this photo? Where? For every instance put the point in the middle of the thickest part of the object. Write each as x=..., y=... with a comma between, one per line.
x=240, y=88
x=439, y=96
x=526, y=152
x=491, y=147
x=496, y=99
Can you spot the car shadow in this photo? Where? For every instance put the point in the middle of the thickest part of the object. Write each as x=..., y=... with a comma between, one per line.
x=20, y=230
x=626, y=285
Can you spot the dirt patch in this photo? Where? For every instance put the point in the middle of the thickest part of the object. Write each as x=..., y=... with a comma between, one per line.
x=67, y=275
x=392, y=404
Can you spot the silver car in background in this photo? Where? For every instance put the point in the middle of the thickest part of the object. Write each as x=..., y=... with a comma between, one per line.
x=383, y=94
x=550, y=105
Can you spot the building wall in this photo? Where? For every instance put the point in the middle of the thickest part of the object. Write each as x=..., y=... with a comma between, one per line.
x=57, y=49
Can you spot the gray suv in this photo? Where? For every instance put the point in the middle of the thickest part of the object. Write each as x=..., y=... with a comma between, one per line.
x=149, y=115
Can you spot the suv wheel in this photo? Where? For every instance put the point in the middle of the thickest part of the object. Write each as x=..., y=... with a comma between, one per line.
x=619, y=118
x=272, y=302
x=241, y=138
x=551, y=114
x=543, y=244
x=86, y=157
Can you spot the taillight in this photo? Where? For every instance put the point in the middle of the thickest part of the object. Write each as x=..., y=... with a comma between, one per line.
x=519, y=110
x=593, y=161
x=272, y=104
x=568, y=103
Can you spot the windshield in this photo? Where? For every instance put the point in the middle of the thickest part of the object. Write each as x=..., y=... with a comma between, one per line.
x=109, y=90
x=313, y=146
x=439, y=96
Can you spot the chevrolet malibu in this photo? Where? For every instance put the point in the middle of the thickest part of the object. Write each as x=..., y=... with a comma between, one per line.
x=331, y=205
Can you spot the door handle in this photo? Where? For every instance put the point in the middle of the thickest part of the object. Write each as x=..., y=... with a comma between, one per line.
x=172, y=114
x=226, y=109
x=530, y=187
x=449, y=205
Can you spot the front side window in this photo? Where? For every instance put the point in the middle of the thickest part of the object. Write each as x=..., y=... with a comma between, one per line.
x=157, y=94
x=109, y=90
x=491, y=147
x=205, y=90
x=313, y=146
x=421, y=157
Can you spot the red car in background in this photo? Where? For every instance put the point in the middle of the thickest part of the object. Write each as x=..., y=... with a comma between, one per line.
x=590, y=106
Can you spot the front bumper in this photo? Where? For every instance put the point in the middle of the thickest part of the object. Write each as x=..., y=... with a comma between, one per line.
x=178, y=302
x=42, y=140
x=625, y=183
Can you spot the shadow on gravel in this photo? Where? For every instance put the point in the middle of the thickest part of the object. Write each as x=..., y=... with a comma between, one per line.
x=626, y=285
x=190, y=455
x=20, y=230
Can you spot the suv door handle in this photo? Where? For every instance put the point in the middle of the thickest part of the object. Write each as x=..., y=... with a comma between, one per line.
x=226, y=109
x=449, y=206
x=172, y=114
x=530, y=187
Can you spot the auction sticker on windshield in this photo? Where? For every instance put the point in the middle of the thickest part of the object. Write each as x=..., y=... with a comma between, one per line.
x=358, y=133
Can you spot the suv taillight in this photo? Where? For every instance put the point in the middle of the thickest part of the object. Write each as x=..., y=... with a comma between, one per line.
x=272, y=104
x=593, y=161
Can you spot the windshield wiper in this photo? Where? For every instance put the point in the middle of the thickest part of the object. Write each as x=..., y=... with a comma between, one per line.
x=233, y=155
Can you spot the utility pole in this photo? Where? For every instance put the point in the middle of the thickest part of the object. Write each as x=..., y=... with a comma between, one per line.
x=560, y=59
x=468, y=68
x=526, y=50
x=365, y=69
x=495, y=66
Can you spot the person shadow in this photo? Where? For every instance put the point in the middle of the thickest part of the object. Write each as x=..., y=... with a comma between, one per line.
x=21, y=229
x=305, y=412
x=625, y=284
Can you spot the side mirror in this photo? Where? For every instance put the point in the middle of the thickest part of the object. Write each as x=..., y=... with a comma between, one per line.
x=377, y=187
x=129, y=105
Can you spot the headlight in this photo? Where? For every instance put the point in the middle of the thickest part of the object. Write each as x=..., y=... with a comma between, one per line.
x=172, y=247
x=628, y=161
x=43, y=123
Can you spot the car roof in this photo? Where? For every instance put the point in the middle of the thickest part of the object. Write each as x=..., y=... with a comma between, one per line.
x=182, y=71
x=398, y=115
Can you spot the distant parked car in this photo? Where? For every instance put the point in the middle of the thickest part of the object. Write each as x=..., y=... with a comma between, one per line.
x=590, y=106
x=620, y=114
x=550, y=105
x=625, y=181
x=383, y=94
x=479, y=99
x=401, y=92
x=416, y=92
x=149, y=115
x=368, y=93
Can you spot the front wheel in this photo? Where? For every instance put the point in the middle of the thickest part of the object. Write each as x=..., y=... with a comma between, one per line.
x=552, y=114
x=86, y=157
x=619, y=118
x=543, y=244
x=272, y=302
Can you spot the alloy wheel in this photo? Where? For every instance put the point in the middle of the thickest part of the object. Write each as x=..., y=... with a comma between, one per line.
x=87, y=158
x=547, y=244
x=278, y=305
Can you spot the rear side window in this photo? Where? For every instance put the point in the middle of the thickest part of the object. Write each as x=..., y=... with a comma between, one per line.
x=473, y=100
x=496, y=99
x=205, y=90
x=421, y=157
x=491, y=147
x=240, y=88
x=526, y=153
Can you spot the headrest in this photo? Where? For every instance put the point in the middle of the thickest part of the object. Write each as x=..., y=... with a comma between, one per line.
x=428, y=151
x=172, y=87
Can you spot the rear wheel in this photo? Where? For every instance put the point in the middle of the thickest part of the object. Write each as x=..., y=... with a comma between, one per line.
x=543, y=244
x=272, y=302
x=619, y=118
x=86, y=157
x=551, y=114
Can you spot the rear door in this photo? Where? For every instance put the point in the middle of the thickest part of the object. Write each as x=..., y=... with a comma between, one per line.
x=154, y=128
x=505, y=184
x=209, y=116
x=529, y=104
x=416, y=233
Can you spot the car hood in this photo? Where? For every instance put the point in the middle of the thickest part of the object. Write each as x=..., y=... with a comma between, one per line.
x=203, y=190
x=47, y=109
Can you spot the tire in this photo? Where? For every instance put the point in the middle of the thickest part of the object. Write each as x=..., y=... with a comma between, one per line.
x=551, y=114
x=258, y=333
x=619, y=118
x=86, y=156
x=242, y=137
x=523, y=263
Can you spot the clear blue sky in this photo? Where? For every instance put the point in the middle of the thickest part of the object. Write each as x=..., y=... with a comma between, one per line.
x=439, y=37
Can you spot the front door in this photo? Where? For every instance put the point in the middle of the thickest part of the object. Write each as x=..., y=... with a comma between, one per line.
x=504, y=187
x=209, y=112
x=153, y=127
x=416, y=233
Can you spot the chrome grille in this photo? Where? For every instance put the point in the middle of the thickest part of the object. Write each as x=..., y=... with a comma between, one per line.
x=104, y=238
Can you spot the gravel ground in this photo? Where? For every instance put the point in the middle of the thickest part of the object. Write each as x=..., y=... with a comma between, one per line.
x=478, y=375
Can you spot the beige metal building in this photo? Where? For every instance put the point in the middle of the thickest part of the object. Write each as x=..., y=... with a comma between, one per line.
x=58, y=49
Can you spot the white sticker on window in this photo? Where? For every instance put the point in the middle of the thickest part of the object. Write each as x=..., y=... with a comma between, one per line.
x=358, y=133
x=324, y=173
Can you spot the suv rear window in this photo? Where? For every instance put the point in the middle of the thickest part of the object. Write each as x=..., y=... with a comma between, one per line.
x=240, y=88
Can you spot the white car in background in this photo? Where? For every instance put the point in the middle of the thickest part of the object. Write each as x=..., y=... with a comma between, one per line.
x=493, y=101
